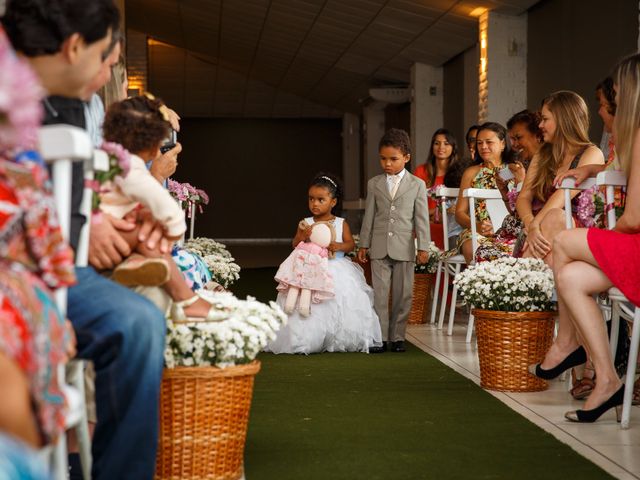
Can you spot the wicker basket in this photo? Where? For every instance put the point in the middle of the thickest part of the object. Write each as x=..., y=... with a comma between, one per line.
x=421, y=298
x=203, y=422
x=508, y=342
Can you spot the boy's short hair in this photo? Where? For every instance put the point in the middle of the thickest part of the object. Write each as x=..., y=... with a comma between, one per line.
x=398, y=138
x=40, y=27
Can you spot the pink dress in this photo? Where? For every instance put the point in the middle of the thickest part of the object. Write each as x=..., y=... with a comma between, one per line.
x=307, y=267
x=618, y=255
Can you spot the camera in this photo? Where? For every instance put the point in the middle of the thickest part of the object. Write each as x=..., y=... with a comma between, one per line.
x=169, y=142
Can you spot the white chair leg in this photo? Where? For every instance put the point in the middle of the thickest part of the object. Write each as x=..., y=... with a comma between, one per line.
x=445, y=293
x=59, y=461
x=82, y=428
x=436, y=291
x=615, y=330
x=631, y=369
x=452, y=307
x=470, y=326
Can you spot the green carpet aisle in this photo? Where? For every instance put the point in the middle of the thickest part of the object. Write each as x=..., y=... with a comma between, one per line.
x=392, y=416
x=389, y=416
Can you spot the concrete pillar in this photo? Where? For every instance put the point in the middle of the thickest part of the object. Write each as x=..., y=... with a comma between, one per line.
x=502, y=72
x=351, y=156
x=427, y=114
x=374, y=127
x=470, y=115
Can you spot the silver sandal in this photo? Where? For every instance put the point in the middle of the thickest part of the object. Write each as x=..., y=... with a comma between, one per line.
x=178, y=314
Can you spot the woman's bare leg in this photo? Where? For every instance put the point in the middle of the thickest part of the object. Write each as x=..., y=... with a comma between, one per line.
x=467, y=251
x=577, y=282
x=568, y=246
x=16, y=415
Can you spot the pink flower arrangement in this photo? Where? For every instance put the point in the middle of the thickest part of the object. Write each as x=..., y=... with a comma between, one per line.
x=119, y=166
x=512, y=197
x=591, y=207
x=119, y=158
x=186, y=193
x=20, y=96
x=433, y=193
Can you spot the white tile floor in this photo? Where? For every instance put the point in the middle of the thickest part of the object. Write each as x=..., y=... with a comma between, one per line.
x=604, y=443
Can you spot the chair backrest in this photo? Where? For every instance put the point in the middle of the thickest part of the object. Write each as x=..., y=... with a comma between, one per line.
x=610, y=180
x=569, y=185
x=61, y=146
x=446, y=193
x=496, y=209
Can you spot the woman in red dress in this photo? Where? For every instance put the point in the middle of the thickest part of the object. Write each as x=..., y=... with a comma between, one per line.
x=443, y=155
x=443, y=158
x=589, y=261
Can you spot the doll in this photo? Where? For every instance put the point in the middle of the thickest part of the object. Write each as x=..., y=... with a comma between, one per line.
x=305, y=273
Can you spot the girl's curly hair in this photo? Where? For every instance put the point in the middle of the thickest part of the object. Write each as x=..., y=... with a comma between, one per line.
x=136, y=123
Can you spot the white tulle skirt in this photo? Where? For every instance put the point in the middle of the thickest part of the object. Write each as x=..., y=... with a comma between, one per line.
x=345, y=323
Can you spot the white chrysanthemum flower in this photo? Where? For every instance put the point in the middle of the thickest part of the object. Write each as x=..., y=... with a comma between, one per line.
x=508, y=284
x=243, y=329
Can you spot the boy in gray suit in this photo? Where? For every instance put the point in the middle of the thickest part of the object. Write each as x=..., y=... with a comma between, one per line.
x=396, y=207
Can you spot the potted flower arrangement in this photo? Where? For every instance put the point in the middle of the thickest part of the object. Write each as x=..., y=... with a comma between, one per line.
x=189, y=197
x=592, y=208
x=207, y=388
x=514, y=317
x=422, y=281
x=220, y=263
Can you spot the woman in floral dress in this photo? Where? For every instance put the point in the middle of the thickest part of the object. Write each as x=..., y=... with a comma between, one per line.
x=493, y=152
x=34, y=338
x=33, y=259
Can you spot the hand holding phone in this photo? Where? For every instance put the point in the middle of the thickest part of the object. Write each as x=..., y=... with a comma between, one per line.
x=169, y=142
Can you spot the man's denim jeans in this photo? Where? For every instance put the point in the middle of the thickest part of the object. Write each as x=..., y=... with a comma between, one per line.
x=123, y=333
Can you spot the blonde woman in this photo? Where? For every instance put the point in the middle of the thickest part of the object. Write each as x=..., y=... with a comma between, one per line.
x=564, y=125
x=589, y=261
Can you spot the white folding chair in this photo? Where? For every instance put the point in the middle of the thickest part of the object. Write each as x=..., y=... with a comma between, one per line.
x=620, y=305
x=61, y=146
x=444, y=265
x=497, y=211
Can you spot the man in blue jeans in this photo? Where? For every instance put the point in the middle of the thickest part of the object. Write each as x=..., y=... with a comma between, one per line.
x=67, y=43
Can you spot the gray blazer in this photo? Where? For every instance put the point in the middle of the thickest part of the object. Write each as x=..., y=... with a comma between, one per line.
x=388, y=225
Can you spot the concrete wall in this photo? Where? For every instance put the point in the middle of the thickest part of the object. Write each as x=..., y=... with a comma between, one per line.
x=257, y=172
x=574, y=45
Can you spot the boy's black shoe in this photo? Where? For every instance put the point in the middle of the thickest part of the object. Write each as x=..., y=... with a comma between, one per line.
x=75, y=467
x=398, y=346
x=380, y=349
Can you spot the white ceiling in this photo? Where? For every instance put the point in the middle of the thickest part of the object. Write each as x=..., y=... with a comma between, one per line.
x=258, y=58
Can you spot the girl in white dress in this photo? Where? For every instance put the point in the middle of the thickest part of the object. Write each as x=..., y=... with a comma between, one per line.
x=347, y=322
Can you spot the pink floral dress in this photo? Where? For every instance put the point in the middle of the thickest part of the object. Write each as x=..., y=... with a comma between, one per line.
x=307, y=268
x=33, y=260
